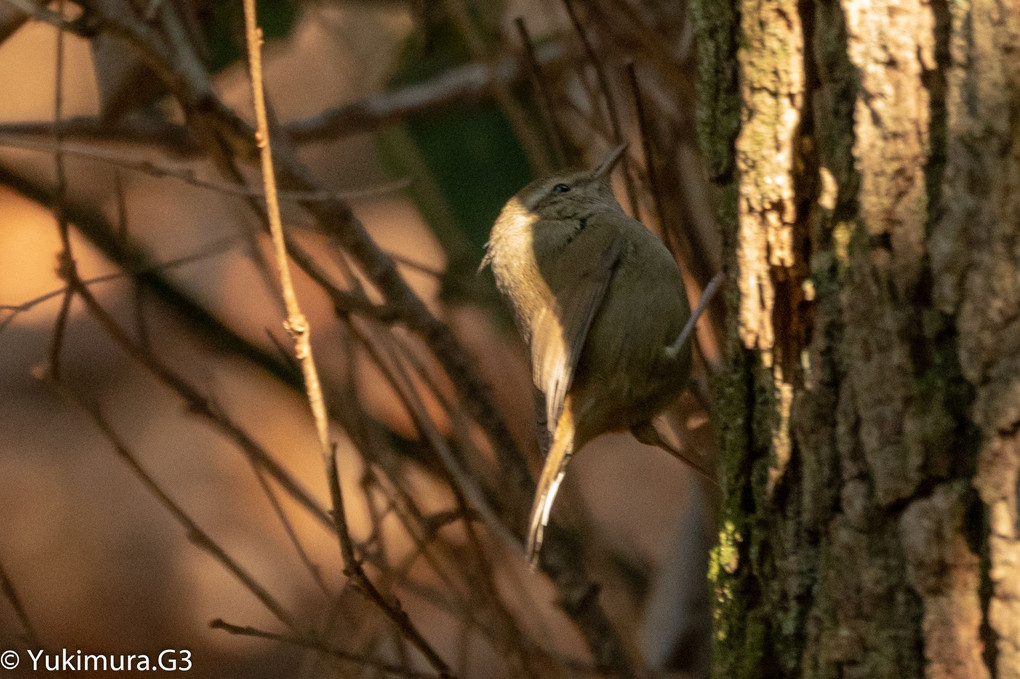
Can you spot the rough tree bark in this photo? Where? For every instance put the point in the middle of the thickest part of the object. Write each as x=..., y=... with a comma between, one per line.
x=868, y=159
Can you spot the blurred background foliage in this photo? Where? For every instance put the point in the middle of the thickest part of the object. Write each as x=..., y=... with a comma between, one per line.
x=423, y=118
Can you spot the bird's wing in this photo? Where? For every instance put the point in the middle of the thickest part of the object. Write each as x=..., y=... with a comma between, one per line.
x=559, y=331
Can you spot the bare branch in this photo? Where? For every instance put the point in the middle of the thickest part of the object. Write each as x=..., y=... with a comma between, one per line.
x=170, y=138
x=196, y=535
x=41, y=13
x=469, y=83
x=135, y=260
x=297, y=325
x=464, y=84
x=706, y=298
x=11, y=19
x=226, y=137
x=11, y=594
x=305, y=642
x=65, y=260
x=607, y=93
x=544, y=96
x=188, y=176
x=533, y=146
x=313, y=570
x=646, y=146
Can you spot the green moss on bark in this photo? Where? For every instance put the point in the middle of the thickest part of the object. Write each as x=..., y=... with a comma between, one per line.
x=717, y=23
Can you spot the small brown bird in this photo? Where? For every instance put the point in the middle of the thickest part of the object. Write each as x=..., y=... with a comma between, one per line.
x=600, y=302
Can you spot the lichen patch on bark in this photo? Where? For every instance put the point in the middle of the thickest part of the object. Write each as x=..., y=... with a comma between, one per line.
x=772, y=84
x=771, y=61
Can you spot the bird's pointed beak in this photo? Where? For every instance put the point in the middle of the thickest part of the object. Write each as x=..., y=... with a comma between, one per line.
x=607, y=165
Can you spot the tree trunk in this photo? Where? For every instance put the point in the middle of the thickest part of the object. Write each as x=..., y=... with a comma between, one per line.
x=868, y=159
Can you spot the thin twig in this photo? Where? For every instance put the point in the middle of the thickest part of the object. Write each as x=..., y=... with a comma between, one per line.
x=514, y=112
x=213, y=250
x=122, y=213
x=544, y=97
x=376, y=515
x=196, y=535
x=460, y=481
x=380, y=554
x=614, y=119
x=200, y=405
x=423, y=530
x=60, y=324
x=354, y=570
x=65, y=260
x=188, y=176
x=375, y=453
x=304, y=642
x=296, y=323
x=469, y=83
x=383, y=348
x=313, y=570
x=11, y=594
x=172, y=139
x=646, y=146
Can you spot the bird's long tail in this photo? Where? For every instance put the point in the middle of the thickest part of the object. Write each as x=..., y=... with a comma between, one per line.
x=549, y=482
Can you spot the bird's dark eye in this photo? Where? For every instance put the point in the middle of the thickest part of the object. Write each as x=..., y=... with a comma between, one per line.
x=560, y=188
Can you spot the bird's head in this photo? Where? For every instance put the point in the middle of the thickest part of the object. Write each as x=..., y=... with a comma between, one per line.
x=573, y=193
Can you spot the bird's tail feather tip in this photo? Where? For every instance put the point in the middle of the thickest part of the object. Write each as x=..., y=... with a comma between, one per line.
x=535, y=535
x=548, y=487
x=549, y=481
